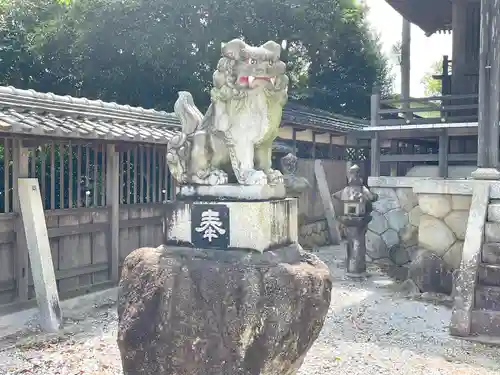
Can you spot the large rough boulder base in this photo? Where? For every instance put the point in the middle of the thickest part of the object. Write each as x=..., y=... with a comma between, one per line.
x=207, y=312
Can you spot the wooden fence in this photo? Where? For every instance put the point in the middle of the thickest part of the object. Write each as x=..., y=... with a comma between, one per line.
x=73, y=182
x=74, y=179
x=402, y=155
x=429, y=110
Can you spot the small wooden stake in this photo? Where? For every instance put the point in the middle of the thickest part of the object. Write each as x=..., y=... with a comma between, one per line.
x=324, y=192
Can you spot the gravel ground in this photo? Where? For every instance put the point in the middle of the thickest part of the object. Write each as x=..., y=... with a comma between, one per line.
x=370, y=330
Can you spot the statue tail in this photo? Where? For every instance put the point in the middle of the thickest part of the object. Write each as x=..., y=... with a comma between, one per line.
x=189, y=115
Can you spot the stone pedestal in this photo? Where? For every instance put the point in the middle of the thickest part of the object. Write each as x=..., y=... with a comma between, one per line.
x=212, y=312
x=231, y=224
x=232, y=293
x=355, y=245
x=486, y=174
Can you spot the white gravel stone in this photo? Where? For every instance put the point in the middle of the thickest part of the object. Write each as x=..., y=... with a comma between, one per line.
x=370, y=330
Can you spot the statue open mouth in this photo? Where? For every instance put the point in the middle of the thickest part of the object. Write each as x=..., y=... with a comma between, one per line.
x=250, y=79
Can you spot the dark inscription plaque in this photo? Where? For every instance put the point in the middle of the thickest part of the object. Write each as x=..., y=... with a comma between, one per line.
x=210, y=226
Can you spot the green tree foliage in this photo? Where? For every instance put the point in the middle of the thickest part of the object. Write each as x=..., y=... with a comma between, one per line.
x=432, y=86
x=141, y=52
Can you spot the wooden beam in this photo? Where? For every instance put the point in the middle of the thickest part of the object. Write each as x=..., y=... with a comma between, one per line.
x=20, y=170
x=72, y=230
x=394, y=151
x=489, y=84
x=313, y=153
x=444, y=142
x=375, y=155
x=405, y=64
x=375, y=107
x=330, y=147
x=82, y=270
x=142, y=222
x=421, y=134
x=422, y=158
x=113, y=200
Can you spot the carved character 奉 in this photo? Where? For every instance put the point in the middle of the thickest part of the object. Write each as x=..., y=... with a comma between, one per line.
x=232, y=142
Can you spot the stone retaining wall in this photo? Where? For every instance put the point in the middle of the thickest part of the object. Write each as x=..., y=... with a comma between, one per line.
x=314, y=234
x=443, y=225
x=393, y=232
x=419, y=224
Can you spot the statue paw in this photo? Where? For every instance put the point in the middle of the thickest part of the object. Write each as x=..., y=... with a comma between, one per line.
x=210, y=177
x=217, y=177
x=274, y=177
x=253, y=177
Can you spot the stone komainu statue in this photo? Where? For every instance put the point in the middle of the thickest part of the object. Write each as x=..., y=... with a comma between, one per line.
x=233, y=141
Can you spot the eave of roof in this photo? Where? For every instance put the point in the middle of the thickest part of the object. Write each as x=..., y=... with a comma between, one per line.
x=28, y=112
x=320, y=120
x=430, y=15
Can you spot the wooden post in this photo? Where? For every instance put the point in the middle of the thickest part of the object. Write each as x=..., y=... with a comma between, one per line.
x=405, y=66
x=375, y=155
x=489, y=91
x=324, y=191
x=459, y=48
x=20, y=170
x=313, y=153
x=394, y=151
x=443, y=151
x=375, y=143
x=113, y=201
x=37, y=240
x=314, y=195
x=294, y=141
x=445, y=79
x=330, y=147
x=374, y=107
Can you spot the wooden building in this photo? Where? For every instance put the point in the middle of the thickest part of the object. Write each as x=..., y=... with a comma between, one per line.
x=455, y=131
x=440, y=130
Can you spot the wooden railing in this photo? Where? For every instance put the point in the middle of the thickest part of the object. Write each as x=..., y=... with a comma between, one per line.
x=429, y=110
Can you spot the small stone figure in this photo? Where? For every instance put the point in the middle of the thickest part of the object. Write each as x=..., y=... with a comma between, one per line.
x=294, y=184
x=357, y=200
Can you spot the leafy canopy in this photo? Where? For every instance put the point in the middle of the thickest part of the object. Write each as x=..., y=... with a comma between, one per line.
x=432, y=86
x=141, y=52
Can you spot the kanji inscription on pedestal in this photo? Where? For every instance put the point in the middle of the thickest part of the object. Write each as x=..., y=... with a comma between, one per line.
x=210, y=226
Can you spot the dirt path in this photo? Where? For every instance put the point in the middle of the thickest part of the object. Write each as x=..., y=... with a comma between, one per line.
x=369, y=331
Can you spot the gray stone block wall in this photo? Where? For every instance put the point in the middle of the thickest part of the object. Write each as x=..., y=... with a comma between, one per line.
x=314, y=234
x=403, y=223
x=423, y=233
x=443, y=225
x=393, y=232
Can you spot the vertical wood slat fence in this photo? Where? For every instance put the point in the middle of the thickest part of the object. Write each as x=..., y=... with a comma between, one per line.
x=74, y=179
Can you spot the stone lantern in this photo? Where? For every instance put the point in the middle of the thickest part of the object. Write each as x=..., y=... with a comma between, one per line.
x=357, y=201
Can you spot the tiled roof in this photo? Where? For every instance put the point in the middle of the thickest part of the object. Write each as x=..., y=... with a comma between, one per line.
x=321, y=120
x=29, y=112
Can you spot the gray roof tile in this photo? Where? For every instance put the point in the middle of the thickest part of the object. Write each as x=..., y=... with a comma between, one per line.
x=29, y=112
